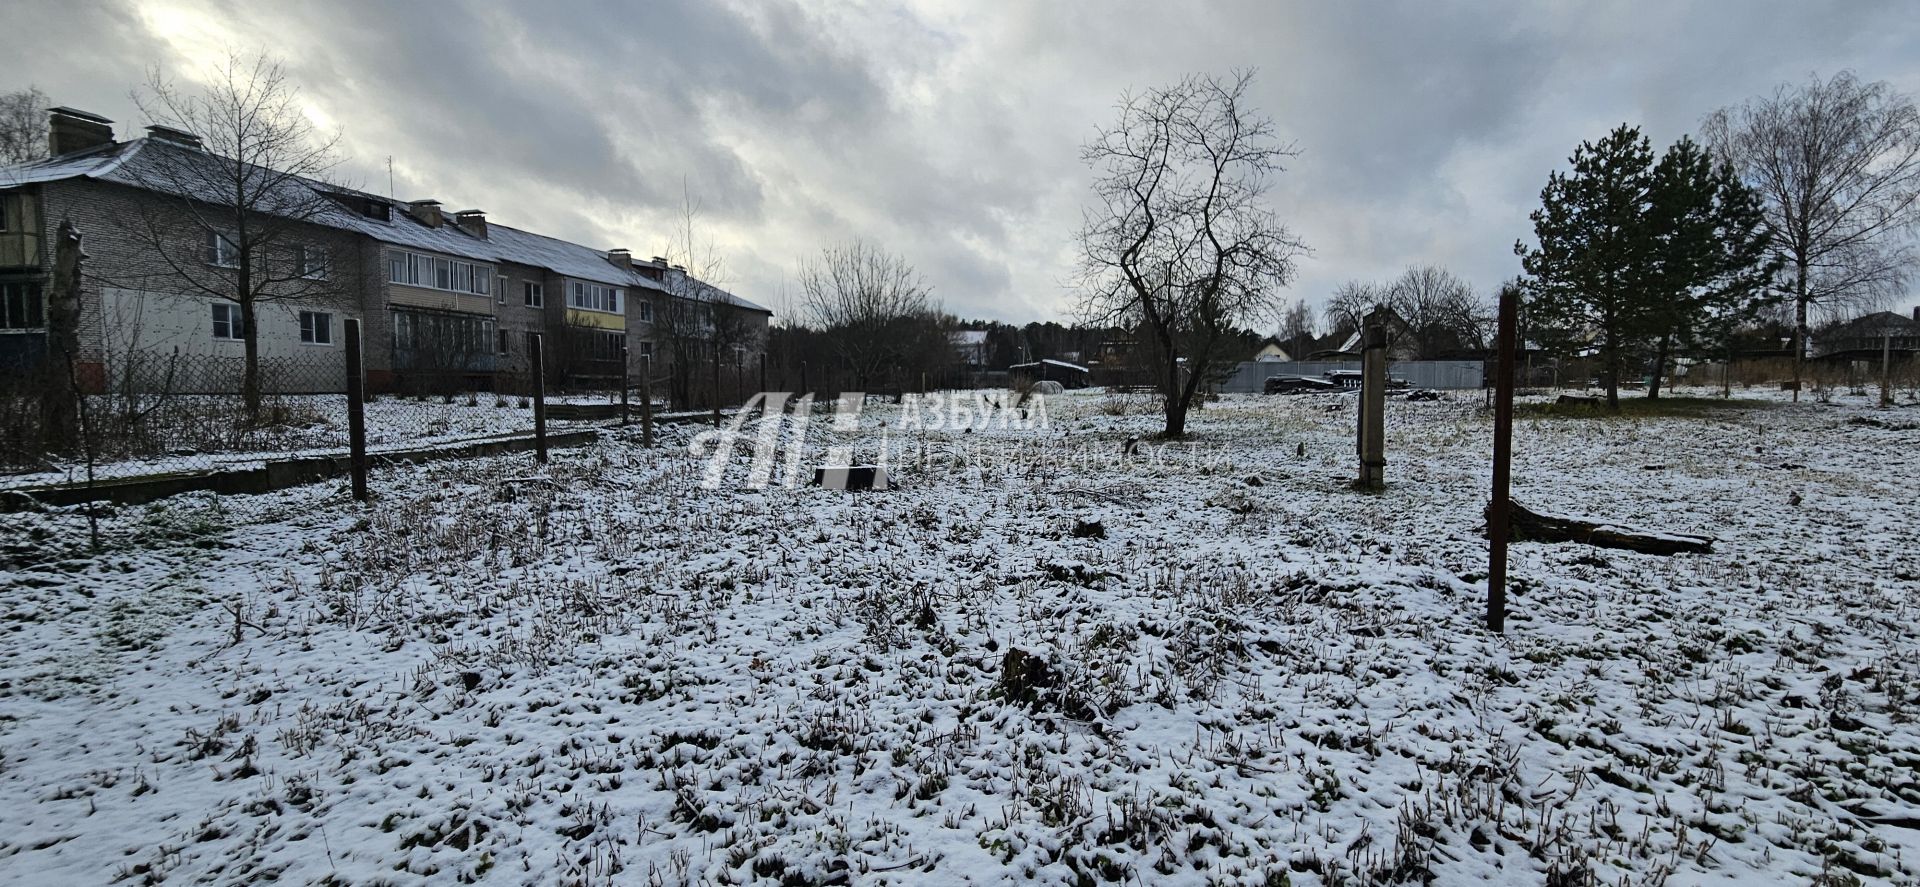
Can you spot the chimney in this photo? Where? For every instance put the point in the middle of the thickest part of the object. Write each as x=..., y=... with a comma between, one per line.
x=472, y=221
x=1916, y=314
x=427, y=211
x=174, y=137
x=662, y=262
x=621, y=258
x=69, y=130
x=680, y=268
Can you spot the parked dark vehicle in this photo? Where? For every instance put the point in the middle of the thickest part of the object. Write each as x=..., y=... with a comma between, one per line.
x=1298, y=385
x=1351, y=379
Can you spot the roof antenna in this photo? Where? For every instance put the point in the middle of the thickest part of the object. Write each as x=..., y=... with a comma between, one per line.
x=389, y=174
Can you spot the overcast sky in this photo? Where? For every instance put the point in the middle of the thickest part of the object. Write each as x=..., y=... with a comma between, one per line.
x=949, y=132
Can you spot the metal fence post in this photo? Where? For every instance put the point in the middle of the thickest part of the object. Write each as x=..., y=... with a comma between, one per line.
x=356, y=411
x=1499, y=524
x=539, y=398
x=646, y=401
x=625, y=383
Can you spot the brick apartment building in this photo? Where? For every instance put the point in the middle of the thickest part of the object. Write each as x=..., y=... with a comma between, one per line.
x=445, y=299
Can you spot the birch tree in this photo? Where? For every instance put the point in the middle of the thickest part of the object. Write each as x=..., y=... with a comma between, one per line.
x=1837, y=165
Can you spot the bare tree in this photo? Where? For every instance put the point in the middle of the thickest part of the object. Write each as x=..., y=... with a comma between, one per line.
x=1180, y=242
x=1296, y=330
x=1350, y=304
x=23, y=126
x=867, y=302
x=242, y=226
x=687, y=321
x=1837, y=165
x=1440, y=311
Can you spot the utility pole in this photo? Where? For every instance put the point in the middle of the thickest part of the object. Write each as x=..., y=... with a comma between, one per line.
x=1373, y=407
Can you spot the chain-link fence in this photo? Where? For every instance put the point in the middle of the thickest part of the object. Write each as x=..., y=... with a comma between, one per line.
x=152, y=416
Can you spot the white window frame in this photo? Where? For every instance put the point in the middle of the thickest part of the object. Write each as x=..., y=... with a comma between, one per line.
x=222, y=252
x=436, y=273
x=227, y=314
x=500, y=283
x=316, y=328
x=589, y=296
x=646, y=310
x=534, y=294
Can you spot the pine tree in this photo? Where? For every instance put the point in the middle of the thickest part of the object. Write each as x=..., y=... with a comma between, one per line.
x=1587, y=280
x=1708, y=271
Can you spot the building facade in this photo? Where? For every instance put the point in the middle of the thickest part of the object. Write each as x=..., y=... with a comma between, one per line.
x=446, y=300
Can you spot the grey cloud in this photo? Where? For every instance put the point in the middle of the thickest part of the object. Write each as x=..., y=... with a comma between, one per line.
x=949, y=131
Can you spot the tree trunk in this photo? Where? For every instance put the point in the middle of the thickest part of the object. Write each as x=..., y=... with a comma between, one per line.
x=1799, y=326
x=59, y=395
x=1613, y=376
x=1529, y=525
x=1659, y=366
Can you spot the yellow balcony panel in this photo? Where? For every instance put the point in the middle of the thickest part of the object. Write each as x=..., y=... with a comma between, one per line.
x=596, y=319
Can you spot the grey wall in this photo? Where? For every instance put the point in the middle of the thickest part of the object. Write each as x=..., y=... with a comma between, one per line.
x=1251, y=377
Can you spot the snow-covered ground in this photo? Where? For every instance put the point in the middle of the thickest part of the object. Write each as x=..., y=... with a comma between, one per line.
x=602, y=672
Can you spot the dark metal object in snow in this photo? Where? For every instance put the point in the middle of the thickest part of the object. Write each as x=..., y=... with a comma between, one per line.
x=851, y=477
x=1498, y=525
x=539, y=397
x=356, y=412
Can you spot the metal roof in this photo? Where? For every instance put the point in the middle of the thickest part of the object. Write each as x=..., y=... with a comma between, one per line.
x=154, y=165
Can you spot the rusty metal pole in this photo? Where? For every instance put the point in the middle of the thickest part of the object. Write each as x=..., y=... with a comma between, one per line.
x=539, y=398
x=1499, y=520
x=356, y=411
x=646, y=401
x=626, y=382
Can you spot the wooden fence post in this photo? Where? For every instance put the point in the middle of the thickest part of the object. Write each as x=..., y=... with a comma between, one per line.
x=356, y=411
x=1373, y=407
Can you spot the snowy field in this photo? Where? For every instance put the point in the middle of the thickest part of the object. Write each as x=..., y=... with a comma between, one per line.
x=603, y=673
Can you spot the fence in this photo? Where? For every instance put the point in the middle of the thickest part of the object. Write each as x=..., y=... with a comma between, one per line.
x=183, y=414
x=1251, y=377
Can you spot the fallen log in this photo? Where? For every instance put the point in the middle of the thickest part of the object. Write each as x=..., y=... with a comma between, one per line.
x=1528, y=525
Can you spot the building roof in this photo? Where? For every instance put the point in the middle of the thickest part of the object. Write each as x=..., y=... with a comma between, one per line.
x=150, y=164
x=1050, y=362
x=968, y=337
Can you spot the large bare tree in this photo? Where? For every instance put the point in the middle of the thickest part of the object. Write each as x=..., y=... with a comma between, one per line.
x=1350, y=304
x=693, y=319
x=869, y=305
x=1440, y=312
x=242, y=222
x=1837, y=165
x=1180, y=242
x=23, y=126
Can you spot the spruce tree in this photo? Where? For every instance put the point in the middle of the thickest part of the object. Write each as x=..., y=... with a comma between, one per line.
x=1587, y=280
x=1709, y=271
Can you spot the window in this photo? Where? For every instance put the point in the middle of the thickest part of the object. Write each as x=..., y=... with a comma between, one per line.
x=646, y=349
x=500, y=290
x=21, y=307
x=607, y=346
x=503, y=341
x=594, y=297
x=226, y=321
x=646, y=311
x=414, y=269
x=316, y=327
x=536, y=295
x=6, y=211
x=312, y=262
x=221, y=253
